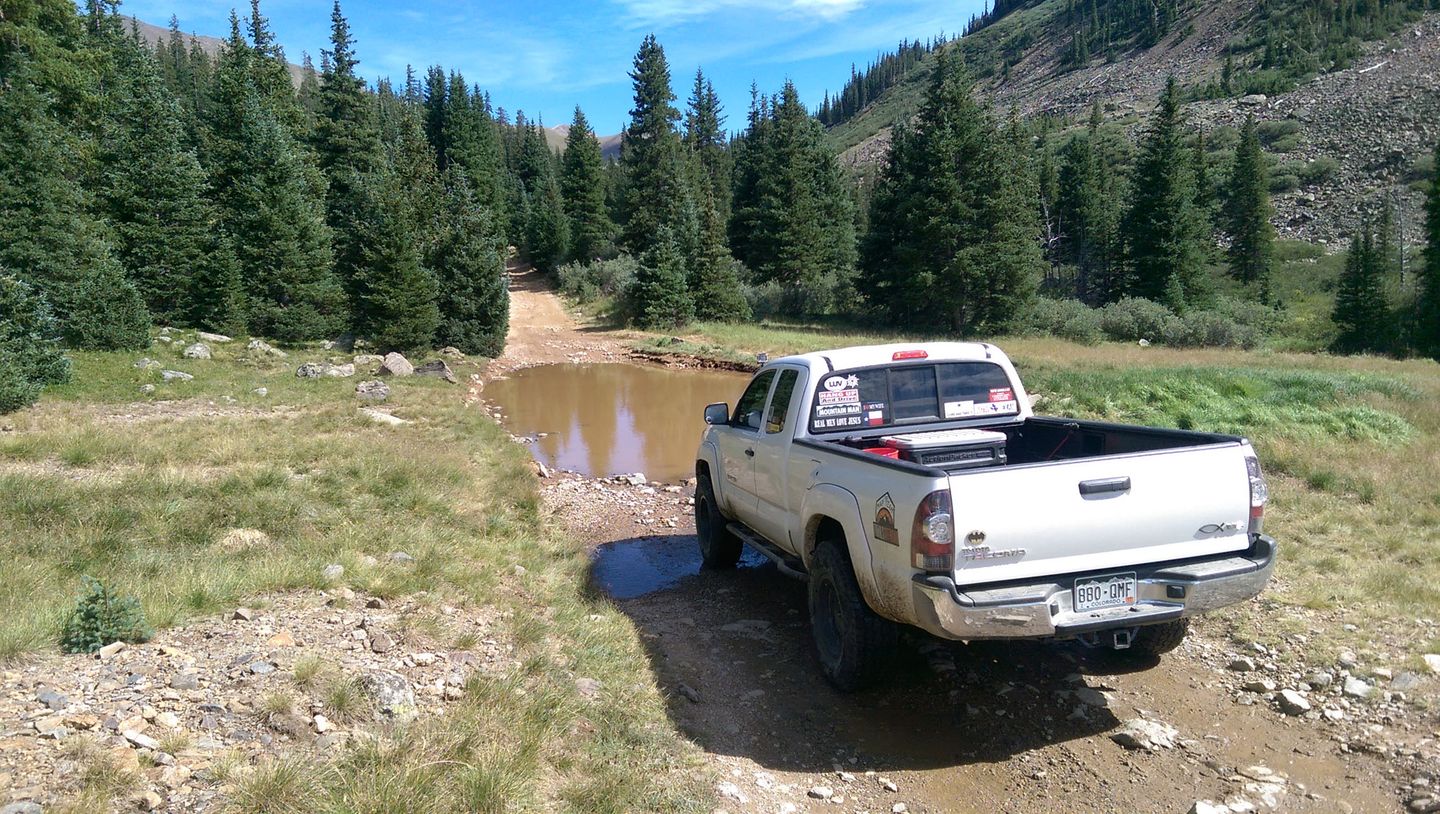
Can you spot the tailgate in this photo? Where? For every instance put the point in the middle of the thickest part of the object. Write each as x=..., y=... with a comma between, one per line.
x=1099, y=514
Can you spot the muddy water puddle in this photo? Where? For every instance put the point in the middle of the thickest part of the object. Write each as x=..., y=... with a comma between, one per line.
x=610, y=419
x=632, y=568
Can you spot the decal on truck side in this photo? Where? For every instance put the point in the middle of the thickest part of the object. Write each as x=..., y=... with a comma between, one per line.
x=885, y=530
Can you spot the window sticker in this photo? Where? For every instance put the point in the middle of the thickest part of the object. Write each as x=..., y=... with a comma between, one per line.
x=831, y=410
x=959, y=409
x=875, y=413
x=834, y=423
x=840, y=397
x=998, y=394
x=837, y=383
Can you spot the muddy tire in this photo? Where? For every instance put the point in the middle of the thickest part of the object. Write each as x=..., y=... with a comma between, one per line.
x=718, y=547
x=854, y=644
x=1154, y=641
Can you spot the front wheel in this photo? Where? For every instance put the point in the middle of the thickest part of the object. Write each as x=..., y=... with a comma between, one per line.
x=854, y=643
x=719, y=548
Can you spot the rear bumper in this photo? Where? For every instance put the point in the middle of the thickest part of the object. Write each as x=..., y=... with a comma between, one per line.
x=1032, y=610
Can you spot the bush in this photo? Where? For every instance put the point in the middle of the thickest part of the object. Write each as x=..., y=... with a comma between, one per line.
x=766, y=300
x=1273, y=131
x=1284, y=183
x=1209, y=329
x=1319, y=171
x=1258, y=318
x=101, y=617
x=1133, y=319
x=108, y=313
x=29, y=356
x=1066, y=319
x=588, y=282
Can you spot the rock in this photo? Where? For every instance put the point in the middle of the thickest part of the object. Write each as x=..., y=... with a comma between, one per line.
x=1319, y=681
x=344, y=371
x=396, y=365
x=1139, y=733
x=109, y=650
x=372, y=390
x=218, y=339
x=322, y=725
x=1432, y=661
x=310, y=370
x=636, y=479
x=382, y=418
x=176, y=376
x=731, y=791
x=820, y=792
x=689, y=692
x=262, y=392
x=236, y=540
x=1262, y=685
x=380, y=642
x=899, y=808
x=888, y=784
x=243, y=615
x=169, y=720
x=1406, y=681
x=185, y=681
x=1293, y=703
x=282, y=639
x=265, y=348
x=140, y=740
x=261, y=668
x=25, y=807
x=1254, y=100
x=391, y=692
x=399, y=558
x=368, y=359
x=1424, y=805
x=588, y=688
x=437, y=369
x=1209, y=807
x=1091, y=697
x=54, y=700
x=1383, y=672
x=452, y=353
x=147, y=389
x=1243, y=664
x=375, y=603
x=1357, y=688
x=148, y=364
x=148, y=800
x=199, y=350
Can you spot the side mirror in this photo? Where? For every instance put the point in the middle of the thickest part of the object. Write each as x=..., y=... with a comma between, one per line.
x=717, y=414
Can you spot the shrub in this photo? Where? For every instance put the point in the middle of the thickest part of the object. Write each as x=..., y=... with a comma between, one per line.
x=1284, y=183
x=1319, y=171
x=588, y=282
x=1252, y=316
x=108, y=313
x=1209, y=329
x=766, y=300
x=1273, y=131
x=1066, y=319
x=29, y=357
x=101, y=617
x=1133, y=319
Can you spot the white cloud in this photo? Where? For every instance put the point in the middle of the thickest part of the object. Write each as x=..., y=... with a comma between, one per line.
x=659, y=13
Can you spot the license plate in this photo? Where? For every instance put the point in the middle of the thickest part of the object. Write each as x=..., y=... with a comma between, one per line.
x=1095, y=593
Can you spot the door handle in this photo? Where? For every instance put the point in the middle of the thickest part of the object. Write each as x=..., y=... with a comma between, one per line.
x=750, y=453
x=1100, y=487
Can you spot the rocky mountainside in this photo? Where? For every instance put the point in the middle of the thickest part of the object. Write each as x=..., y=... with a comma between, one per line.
x=609, y=145
x=1378, y=119
x=153, y=34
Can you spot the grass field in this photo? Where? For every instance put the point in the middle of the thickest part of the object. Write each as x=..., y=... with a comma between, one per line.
x=160, y=495
x=1351, y=447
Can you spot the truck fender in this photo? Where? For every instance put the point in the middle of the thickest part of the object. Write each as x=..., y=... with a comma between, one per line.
x=826, y=501
x=707, y=460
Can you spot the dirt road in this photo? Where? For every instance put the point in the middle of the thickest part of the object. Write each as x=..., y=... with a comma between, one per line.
x=980, y=728
x=543, y=332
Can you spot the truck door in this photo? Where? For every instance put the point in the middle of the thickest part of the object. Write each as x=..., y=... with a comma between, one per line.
x=737, y=448
x=772, y=454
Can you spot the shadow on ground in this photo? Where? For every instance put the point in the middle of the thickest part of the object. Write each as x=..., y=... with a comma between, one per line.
x=739, y=642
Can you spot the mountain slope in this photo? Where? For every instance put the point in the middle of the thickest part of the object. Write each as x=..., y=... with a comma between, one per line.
x=153, y=34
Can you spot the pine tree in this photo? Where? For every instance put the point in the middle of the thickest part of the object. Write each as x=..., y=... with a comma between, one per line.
x=348, y=145
x=547, y=232
x=462, y=132
x=1428, y=301
x=152, y=192
x=29, y=354
x=1164, y=228
x=1361, y=313
x=704, y=139
x=468, y=258
x=715, y=279
x=660, y=298
x=1248, y=212
x=394, y=295
x=650, y=150
x=582, y=184
x=953, y=242
x=271, y=75
x=108, y=313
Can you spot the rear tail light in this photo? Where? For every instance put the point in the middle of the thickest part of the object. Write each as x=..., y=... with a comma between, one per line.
x=1259, y=494
x=932, y=538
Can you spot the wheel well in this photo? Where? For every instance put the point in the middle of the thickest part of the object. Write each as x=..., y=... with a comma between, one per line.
x=821, y=528
x=702, y=470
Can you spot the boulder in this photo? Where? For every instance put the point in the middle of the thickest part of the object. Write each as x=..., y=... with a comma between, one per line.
x=452, y=353
x=310, y=370
x=344, y=371
x=382, y=418
x=148, y=364
x=437, y=369
x=199, y=350
x=262, y=347
x=368, y=359
x=396, y=365
x=218, y=339
x=1358, y=688
x=1139, y=733
x=391, y=692
x=372, y=390
x=176, y=376
x=1293, y=703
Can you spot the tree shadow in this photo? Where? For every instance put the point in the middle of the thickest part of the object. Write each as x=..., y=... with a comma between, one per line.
x=732, y=651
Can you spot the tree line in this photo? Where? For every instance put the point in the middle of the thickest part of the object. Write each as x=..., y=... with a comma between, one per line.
x=865, y=86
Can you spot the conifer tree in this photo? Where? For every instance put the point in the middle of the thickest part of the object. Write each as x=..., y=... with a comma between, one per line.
x=582, y=184
x=704, y=139
x=715, y=279
x=953, y=242
x=468, y=259
x=660, y=297
x=650, y=150
x=1248, y=212
x=1428, y=301
x=547, y=232
x=1361, y=313
x=271, y=75
x=393, y=295
x=30, y=357
x=152, y=192
x=108, y=313
x=1164, y=228
x=463, y=132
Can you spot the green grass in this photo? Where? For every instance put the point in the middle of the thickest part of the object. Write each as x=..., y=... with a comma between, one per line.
x=203, y=496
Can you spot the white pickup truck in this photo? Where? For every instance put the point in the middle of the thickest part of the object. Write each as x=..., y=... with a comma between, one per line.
x=912, y=484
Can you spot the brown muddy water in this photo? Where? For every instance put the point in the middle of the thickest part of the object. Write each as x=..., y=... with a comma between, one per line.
x=612, y=419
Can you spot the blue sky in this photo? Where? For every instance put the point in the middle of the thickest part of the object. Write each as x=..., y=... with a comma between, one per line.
x=546, y=56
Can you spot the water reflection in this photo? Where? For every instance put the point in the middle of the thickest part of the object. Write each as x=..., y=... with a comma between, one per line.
x=614, y=418
x=632, y=568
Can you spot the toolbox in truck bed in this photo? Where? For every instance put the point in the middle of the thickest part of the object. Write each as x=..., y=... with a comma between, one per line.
x=951, y=449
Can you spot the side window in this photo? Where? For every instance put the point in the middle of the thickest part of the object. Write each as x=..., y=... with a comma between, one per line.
x=751, y=409
x=780, y=404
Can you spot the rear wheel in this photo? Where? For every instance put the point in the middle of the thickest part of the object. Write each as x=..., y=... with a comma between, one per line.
x=1153, y=641
x=854, y=643
x=718, y=547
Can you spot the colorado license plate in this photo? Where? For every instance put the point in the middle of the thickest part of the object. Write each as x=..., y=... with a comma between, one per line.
x=1096, y=593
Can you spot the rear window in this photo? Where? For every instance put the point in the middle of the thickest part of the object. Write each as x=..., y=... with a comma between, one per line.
x=911, y=394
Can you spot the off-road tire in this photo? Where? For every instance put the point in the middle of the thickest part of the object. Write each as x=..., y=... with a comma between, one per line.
x=718, y=547
x=854, y=644
x=1154, y=641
